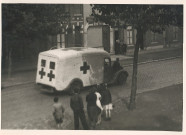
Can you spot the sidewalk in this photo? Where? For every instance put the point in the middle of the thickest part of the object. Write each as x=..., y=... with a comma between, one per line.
x=157, y=110
x=25, y=71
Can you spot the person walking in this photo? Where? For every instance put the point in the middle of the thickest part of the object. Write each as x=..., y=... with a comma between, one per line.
x=117, y=47
x=106, y=102
x=76, y=104
x=124, y=48
x=58, y=112
x=116, y=66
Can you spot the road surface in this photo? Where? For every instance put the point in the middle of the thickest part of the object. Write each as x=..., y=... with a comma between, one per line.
x=24, y=104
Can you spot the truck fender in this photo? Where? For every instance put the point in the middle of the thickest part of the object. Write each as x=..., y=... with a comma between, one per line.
x=118, y=73
x=74, y=83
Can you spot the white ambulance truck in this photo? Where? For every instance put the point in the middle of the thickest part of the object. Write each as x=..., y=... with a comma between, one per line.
x=66, y=68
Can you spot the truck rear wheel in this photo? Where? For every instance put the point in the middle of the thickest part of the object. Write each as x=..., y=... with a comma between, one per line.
x=75, y=84
x=122, y=78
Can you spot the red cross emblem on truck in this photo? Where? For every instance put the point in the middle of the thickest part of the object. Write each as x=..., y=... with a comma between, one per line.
x=51, y=75
x=84, y=68
x=42, y=73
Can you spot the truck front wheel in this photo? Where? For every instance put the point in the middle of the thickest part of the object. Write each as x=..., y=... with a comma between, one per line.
x=122, y=78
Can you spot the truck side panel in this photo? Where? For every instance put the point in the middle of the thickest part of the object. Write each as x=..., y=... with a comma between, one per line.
x=69, y=69
x=96, y=62
x=88, y=68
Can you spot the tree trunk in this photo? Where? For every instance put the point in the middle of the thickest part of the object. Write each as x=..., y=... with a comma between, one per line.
x=10, y=63
x=139, y=41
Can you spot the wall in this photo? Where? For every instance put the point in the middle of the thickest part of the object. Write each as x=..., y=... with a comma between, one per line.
x=165, y=39
x=86, y=13
x=94, y=37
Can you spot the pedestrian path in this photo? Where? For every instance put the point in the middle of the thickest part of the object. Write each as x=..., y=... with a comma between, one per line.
x=18, y=78
x=121, y=57
x=157, y=110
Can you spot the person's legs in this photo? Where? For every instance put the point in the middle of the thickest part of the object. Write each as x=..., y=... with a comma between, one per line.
x=61, y=121
x=109, y=114
x=103, y=114
x=57, y=122
x=83, y=120
x=76, y=120
x=99, y=112
x=93, y=114
x=99, y=119
x=89, y=114
x=110, y=109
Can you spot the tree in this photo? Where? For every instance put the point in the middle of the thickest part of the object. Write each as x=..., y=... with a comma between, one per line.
x=141, y=18
x=32, y=19
x=29, y=22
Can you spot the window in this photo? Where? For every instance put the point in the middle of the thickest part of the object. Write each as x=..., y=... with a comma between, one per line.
x=129, y=35
x=107, y=62
x=77, y=28
x=43, y=63
x=52, y=65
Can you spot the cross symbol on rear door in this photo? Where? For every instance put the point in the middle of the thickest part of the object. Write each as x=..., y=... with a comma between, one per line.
x=42, y=73
x=84, y=68
x=51, y=75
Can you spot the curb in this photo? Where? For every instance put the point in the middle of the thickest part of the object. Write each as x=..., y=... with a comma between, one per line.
x=150, y=61
x=153, y=89
x=21, y=70
x=155, y=50
x=17, y=84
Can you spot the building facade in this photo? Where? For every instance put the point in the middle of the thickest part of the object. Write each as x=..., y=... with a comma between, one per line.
x=75, y=31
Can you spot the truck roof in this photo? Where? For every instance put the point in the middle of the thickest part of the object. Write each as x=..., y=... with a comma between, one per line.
x=73, y=52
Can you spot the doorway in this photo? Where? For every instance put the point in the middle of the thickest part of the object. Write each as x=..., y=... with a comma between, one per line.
x=116, y=42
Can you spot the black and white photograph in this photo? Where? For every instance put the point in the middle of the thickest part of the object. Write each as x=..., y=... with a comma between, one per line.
x=92, y=66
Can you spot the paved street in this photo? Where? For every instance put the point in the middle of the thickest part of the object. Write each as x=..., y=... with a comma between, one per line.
x=31, y=109
x=25, y=72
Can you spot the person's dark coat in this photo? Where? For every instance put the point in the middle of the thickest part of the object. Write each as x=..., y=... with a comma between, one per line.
x=76, y=103
x=91, y=99
x=106, y=97
x=116, y=66
x=117, y=48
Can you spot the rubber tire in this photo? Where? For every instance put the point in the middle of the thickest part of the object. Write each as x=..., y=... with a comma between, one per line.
x=75, y=84
x=122, y=78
